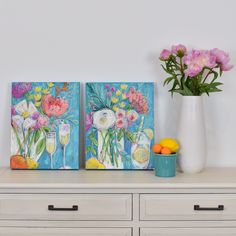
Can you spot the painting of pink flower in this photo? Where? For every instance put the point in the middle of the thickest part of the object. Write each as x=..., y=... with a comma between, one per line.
x=52, y=106
x=132, y=116
x=43, y=120
x=137, y=101
x=121, y=123
x=89, y=121
x=120, y=114
x=20, y=89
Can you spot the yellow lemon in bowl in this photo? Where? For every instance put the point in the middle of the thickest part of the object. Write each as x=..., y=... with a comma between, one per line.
x=170, y=143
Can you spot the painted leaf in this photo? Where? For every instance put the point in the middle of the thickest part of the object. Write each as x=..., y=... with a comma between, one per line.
x=40, y=146
x=37, y=135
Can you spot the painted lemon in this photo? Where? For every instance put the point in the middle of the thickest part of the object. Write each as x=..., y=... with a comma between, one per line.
x=149, y=133
x=31, y=163
x=141, y=155
x=170, y=143
x=93, y=163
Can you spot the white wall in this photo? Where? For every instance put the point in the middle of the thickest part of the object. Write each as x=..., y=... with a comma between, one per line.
x=111, y=40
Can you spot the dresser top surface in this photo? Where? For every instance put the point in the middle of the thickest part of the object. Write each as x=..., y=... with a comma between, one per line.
x=84, y=179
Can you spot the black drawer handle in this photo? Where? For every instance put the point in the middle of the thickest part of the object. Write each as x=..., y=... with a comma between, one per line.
x=198, y=208
x=52, y=208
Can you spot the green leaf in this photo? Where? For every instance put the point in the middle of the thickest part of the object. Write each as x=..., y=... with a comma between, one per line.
x=120, y=134
x=187, y=91
x=88, y=149
x=216, y=84
x=37, y=135
x=94, y=141
x=41, y=146
x=31, y=140
x=168, y=80
x=92, y=138
x=93, y=151
x=130, y=136
x=46, y=129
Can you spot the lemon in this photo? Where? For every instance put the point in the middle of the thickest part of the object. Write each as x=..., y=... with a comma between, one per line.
x=93, y=163
x=170, y=143
x=149, y=133
x=141, y=155
x=31, y=163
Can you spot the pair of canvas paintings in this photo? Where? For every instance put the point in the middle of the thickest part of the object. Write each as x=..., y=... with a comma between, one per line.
x=45, y=121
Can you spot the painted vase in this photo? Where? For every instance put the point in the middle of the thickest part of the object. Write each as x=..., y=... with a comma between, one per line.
x=140, y=151
x=191, y=135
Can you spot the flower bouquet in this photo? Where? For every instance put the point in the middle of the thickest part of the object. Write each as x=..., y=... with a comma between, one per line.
x=118, y=135
x=193, y=73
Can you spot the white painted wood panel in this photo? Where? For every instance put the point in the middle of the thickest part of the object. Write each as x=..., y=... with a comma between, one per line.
x=181, y=206
x=65, y=232
x=90, y=206
x=211, y=178
x=188, y=232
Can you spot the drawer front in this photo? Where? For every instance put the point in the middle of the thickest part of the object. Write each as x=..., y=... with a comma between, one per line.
x=188, y=232
x=63, y=232
x=66, y=207
x=181, y=207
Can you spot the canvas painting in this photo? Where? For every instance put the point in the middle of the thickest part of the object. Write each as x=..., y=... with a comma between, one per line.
x=45, y=125
x=119, y=125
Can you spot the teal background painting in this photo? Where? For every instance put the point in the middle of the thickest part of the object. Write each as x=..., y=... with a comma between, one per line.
x=45, y=125
x=119, y=125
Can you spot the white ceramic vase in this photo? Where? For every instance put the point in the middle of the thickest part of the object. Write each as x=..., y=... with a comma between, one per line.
x=191, y=135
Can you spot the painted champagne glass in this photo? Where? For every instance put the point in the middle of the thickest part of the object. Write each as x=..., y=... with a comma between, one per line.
x=51, y=145
x=64, y=138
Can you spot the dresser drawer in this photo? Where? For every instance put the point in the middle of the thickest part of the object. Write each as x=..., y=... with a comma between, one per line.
x=64, y=231
x=188, y=232
x=181, y=207
x=66, y=206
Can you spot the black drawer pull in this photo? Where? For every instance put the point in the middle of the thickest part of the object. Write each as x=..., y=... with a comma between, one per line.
x=198, y=208
x=52, y=208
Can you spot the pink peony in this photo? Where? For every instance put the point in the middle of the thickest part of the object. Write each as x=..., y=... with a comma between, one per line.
x=138, y=101
x=132, y=116
x=120, y=123
x=89, y=121
x=222, y=58
x=54, y=106
x=180, y=50
x=165, y=55
x=120, y=114
x=43, y=120
x=197, y=60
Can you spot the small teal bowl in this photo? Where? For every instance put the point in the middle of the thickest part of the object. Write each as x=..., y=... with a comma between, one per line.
x=165, y=165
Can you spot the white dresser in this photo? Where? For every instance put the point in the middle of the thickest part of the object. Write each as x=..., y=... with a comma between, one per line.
x=117, y=203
